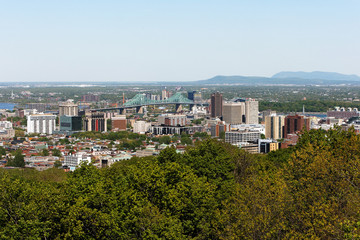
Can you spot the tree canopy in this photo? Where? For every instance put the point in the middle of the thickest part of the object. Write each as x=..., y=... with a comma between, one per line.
x=212, y=191
x=18, y=160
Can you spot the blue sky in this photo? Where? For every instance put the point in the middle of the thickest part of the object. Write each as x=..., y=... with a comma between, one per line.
x=184, y=40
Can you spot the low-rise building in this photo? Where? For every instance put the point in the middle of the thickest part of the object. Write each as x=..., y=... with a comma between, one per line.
x=73, y=161
x=166, y=130
x=267, y=145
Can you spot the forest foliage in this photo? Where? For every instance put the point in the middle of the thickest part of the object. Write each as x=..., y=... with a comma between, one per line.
x=212, y=191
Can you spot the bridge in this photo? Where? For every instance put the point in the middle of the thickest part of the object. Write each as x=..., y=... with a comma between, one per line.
x=140, y=100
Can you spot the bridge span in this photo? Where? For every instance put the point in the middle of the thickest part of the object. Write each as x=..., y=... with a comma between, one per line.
x=140, y=100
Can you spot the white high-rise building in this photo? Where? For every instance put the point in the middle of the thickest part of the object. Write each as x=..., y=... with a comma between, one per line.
x=164, y=94
x=41, y=123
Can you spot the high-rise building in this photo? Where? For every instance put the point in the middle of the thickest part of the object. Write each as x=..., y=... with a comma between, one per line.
x=41, y=123
x=164, y=94
x=95, y=122
x=233, y=112
x=274, y=126
x=295, y=124
x=118, y=123
x=216, y=105
x=70, y=123
x=68, y=108
x=251, y=111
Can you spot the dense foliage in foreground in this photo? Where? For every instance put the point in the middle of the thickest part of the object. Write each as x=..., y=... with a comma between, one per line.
x=213, y=191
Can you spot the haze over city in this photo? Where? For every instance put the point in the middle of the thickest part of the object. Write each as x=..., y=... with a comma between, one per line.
x=175, y=41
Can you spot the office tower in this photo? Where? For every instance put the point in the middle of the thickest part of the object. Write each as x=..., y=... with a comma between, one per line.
x=118, y=123
x=70, y=123
x=233, y=112
x=41, y=123
x=274, y=126
x=216, y=104
x=295, y=124
x=95, y=122
x=251, y=111
x=68, y=108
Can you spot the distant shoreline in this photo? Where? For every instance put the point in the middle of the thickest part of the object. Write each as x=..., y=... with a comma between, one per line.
x=8, y=106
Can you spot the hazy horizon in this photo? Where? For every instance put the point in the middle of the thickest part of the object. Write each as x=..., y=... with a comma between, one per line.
x=157, y=41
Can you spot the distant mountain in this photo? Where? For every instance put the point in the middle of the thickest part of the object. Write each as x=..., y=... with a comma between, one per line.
x=252, y=80
x=317, y=75
x=232, y=80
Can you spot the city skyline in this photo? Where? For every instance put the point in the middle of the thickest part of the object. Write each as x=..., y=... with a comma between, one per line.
x=185, y=41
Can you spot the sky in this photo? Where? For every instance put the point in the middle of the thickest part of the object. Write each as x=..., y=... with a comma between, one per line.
x=126, y=41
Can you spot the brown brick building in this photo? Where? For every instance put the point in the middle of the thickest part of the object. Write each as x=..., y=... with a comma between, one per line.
x=295, y=123
x=216, y=105
x=118, y=123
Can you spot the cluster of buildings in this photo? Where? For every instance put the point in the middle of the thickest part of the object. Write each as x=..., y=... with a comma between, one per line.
x=237, y=121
